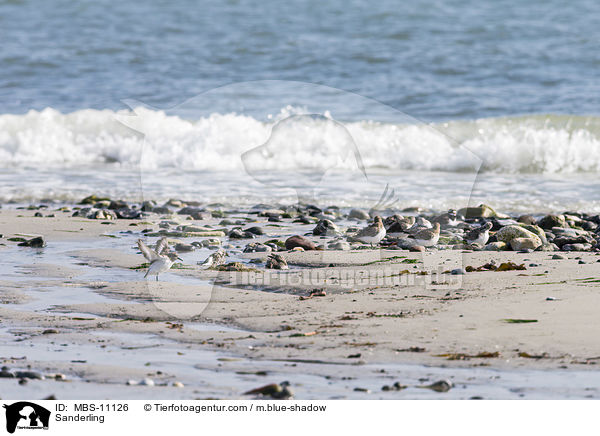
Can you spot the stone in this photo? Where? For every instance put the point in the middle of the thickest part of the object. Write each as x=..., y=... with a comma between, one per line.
x=181, y=247
x=458, y=272
x=508, y=233
x=161, y=210
x=272, y=213
x=537, y=230
x=37, y=242
x=558, y=257
x=520, y=244
x=576, y=247
x=240, y=234
x=148, y=205
x=357, y=214
x=496, y=246
x=417, y=248
x=257, y=247
x=547, y=247
x=550, y=221
x=570, y=240
x=339, y=245
x=300, y=241
x=187, y=210
x=527, y=219
x=326, y=227
x=117, y=204
x=481, y=211
x=93, y=199
x=255, y=230
x=128, y=214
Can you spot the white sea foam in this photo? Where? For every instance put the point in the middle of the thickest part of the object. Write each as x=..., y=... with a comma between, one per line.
x=529, y=144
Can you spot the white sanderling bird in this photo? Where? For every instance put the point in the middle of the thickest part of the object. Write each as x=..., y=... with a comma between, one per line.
x=372, y=234
x=480, y=235
x=428, y=237
x=161, y=259
x=215, y=259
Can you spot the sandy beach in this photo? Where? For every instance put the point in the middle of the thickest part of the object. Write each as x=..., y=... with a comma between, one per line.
x=79, y=307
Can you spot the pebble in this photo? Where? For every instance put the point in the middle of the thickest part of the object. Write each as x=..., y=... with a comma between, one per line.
x=178, y=384
x=440, y=386
x=558, y=256
x=458, y=271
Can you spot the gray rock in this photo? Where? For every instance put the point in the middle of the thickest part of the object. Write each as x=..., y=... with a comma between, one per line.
x=326, y=227
x=128, y=214
x=496, y=246
x=520, y=244
x=188, y=210
x=558, y=257
x=181, y=247
x=161, y=210
x=527, y=219
x=37, y=242
x=357, y=214
x=508, y=233
x=257, y=247
x=481, y=211
x=458, y=271
x=255, y=230
x=547, y=247
x=576, y=247
x=339, y=245
x=550, y=221
x=239, y=234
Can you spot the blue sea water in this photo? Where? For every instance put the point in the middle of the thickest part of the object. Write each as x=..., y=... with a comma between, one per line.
x=491, y=101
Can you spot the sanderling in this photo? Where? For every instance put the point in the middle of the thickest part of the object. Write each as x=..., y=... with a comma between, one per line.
x=447, y=219
x=276, y=261
x=215, y=259
x=428, y=237
x=398, y=227
x=161, y=259
x=480, y=235
x=372, y=234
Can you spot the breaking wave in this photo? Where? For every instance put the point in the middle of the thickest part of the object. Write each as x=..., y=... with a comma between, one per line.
x=526, y=144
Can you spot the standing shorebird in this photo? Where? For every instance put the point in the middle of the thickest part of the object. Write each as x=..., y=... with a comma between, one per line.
x=161, y=259
x=480, y=235
x=428, y=237
x=215, y=259
x=372, y=234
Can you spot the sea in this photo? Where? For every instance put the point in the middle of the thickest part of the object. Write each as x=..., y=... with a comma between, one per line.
x=435, y=104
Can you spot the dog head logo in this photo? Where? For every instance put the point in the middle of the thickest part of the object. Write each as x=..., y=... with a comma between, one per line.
x=26, y=415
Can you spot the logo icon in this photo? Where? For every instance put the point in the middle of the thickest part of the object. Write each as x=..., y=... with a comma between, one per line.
x=26, y=415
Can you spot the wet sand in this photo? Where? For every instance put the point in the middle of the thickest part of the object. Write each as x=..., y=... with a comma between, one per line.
x=80, y=307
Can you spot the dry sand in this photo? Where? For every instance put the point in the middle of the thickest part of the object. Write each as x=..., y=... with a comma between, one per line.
x=204, y=327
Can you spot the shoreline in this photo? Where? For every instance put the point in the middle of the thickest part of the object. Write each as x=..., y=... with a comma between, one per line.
x=84, y=292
